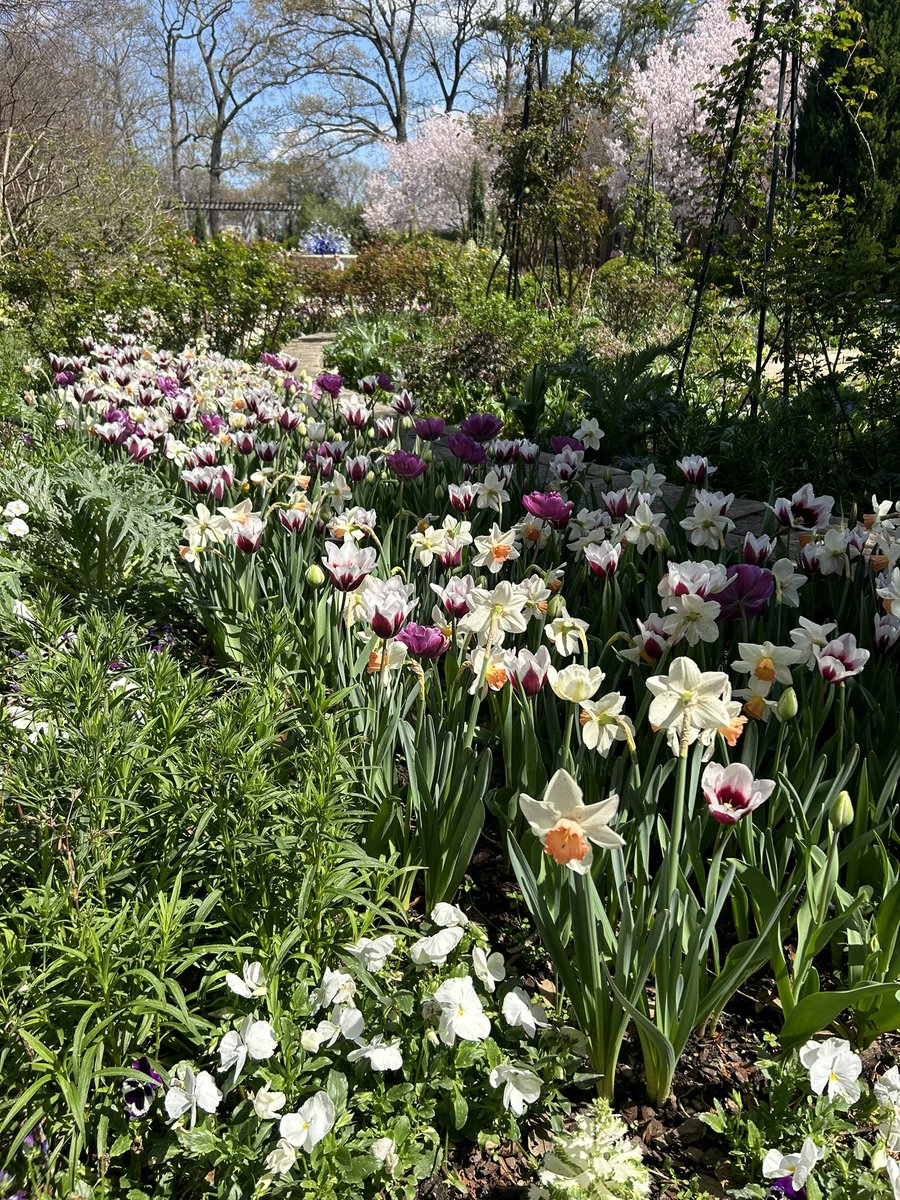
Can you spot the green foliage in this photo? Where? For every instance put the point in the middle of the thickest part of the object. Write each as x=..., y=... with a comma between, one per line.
x=238, y=297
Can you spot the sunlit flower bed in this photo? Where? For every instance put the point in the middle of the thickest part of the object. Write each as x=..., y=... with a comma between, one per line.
x=685, y=745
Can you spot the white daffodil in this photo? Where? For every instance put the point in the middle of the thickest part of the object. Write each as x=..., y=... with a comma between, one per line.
x=521, y=1012
x=568, y=634
x=336, y=988
x=795, y=1167
x=491, y=493
x=707, y=526
x=385, y=1151
x=490, y=969
x=373, y=953
x=494, y=612
x=188, y=1092
x=380, y=1055
x=834, y=1067
x=602, y=723
x=648, y=480
x=589, y=433
x=767, y=662
x=520, y=1087
x=887, y=1093
x=575, y=683
x=433, y=950
x=312, y=1122
x=688, y=695
x=268, y=1105
x=808, y=637
x=427, y=541
x=495, y=549
x=566, y=826
x=254, y=1039
x=445, y=915
x=692, y=618
x=461, y=1013
x=252, y=984
x=282, y=1158
x=644, y=528
x=787, y=583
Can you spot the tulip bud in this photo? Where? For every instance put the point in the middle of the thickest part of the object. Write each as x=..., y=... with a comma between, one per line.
x=370, y=477
x=555, y=606
x=841, y=814
x=787, y=705
x=440, y=492
x=315, y=576
x=879, y=1158
x=301, y=429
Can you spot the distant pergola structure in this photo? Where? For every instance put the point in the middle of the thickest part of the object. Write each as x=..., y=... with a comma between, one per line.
x=249, y=211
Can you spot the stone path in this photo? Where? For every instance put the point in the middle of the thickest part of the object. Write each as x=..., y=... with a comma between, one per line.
x=309, y=351
x=747, y=515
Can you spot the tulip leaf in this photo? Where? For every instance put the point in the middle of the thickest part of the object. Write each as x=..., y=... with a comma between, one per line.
x=817, y=1012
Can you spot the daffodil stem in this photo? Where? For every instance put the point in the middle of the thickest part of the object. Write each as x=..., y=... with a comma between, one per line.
x=567, y=738
x=676, y=826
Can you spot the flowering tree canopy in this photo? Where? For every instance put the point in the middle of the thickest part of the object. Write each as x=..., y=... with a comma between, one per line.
x=667, y=112
x=425, y=184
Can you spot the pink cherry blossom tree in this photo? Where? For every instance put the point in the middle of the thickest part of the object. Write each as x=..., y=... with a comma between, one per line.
x=665, y=111
x=425, y=182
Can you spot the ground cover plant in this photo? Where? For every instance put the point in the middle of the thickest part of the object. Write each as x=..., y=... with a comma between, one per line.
x=245, y=948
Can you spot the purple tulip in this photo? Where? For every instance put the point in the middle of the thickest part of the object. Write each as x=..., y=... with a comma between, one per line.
x=425, y=641
x=273, y=361
x=407, y=466
x=212, y=422
x=167, y=385
x=330, y=383
x=560, y=442
x=429, y=429
x=747, y=593
x=466, y=449
x=481, y=427
x=549, y=507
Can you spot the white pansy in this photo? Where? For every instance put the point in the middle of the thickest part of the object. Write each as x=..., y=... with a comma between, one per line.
x=312, y=1122
x=254, y=1039
x=267, y=1104
x=887, y=1093
x=282, y=1158
x=488, y=968
x=461, y=1013
x=447, y=915
x=380, y=1055
x=188, y=1092
x=434, y=950
x=520, y=1012
x=833, y=1067
x=385, y=1151
x=336, y=988
x=372, y=953
x=251, y=982
x=796, y=1167
x=16, y=508
x=520, y=1087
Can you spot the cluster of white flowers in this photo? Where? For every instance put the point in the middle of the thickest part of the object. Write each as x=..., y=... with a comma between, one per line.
x=593, y=1161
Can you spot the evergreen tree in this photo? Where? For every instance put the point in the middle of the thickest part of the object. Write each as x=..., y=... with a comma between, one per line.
x=859, y=158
